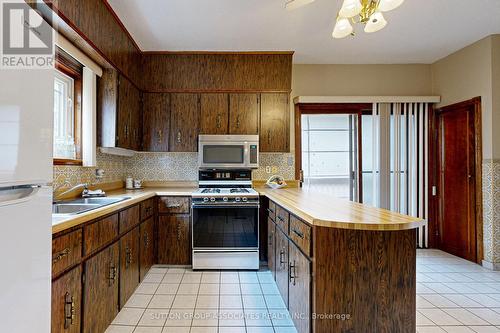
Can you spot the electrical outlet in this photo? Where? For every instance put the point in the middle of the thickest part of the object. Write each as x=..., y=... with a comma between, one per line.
x=274, y=169
x=268, y=169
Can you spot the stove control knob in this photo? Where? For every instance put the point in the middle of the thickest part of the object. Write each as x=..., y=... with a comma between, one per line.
x=224, y=199
x=205, y=199
x=237, y=199
x=212, y=199
x=244, y=199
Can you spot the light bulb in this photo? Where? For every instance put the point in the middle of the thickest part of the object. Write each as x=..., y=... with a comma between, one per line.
x=294, y=4
x=375, y=23
x=350, y=8
x=387, y=5
x=343, y=28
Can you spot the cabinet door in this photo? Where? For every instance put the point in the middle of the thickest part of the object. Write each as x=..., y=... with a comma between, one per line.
x=274, y=123
x=299, y=302
x=146, y=247
x=243, y=114
x=135, y=119
x=123, y=120
x=282, y=264
x=129, y=265
x=271, y=246
x=156, y=113
x=214, y=110
x=174, y=240
x=100, y=303
x=66, y=302
x=184, y=122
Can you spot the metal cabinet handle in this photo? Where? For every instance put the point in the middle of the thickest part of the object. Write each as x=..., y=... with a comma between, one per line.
x=298, y=233
x=218, y=121
x=69, y=310
x=173, y=206
x=160, y=136
x=179, y=136
x=179, y=231
x=238, y=121
x=270, y=211
x=112, y=274
x=146, y=240
x=61, y=255
x=148, y=209
x=292, y=276
x=282, y=254
x=271, y=238
x=126, y=131
x=280, y=218
x=269, y=137
x=128, y=257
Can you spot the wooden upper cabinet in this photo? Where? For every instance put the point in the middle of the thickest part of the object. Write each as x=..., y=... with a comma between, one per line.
x=135, y=105
x=274, y=123
x=156, y=121
x=184, y=122
x=243, y=113
x=214, y=109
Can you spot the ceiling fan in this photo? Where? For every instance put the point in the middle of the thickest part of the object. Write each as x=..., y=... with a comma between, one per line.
x=367, y=12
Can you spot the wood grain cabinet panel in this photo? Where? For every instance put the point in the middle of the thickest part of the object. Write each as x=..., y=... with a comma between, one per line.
x=271, y=211
x=174, y=240
x=66, y=302
x=214, y=110
x=129, y=218
x=66, y=251
x=174, y=205
x=156, y=121
x=244, y=114
x=146, y=247
x=100, y=290
x=129, y=264
x=184, y=122
x=99, y=233
x=147, y=209
x=274, y=123
x=282, y=264
x=135, y=105
x=299, y=300
x=271, y=246
x=300, y=233
x=282, y=219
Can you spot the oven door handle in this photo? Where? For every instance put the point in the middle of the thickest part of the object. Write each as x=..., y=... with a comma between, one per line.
x=194, y=206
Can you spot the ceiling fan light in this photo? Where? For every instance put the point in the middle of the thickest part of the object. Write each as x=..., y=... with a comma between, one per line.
x=350, y=8
x=343, y=28
x=387, y=5
x=294, y=4
x=375, y=23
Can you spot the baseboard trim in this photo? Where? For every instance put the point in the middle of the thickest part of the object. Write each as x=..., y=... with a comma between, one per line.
x=494, y=266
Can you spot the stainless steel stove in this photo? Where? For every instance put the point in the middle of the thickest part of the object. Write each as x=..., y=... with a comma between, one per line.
x=225, y=221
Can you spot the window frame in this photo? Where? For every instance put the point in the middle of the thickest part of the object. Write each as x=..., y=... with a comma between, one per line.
x=68, y=66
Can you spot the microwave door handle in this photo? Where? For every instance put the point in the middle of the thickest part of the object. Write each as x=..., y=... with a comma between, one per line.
x=246, y=155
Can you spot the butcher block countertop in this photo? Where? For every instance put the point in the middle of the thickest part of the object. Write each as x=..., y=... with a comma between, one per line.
x=323, y=210
x=315, y=208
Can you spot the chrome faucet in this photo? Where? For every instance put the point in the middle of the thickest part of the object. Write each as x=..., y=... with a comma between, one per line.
x=85, y=187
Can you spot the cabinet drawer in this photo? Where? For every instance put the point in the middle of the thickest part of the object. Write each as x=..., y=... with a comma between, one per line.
x=282, y=218
x=300, y=233
x=146, y=209
x=129, y=218
x=66, y=251
x=178, y=205
x=99, y=233
x=271, y=211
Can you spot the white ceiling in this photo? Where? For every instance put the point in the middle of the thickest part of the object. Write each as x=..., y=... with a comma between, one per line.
x=420, y=31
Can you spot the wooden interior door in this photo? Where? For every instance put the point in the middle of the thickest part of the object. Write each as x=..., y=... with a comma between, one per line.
x=214, y=110
x=100, y=304
x=243, y=113
x=456, y=175
x=156, y=118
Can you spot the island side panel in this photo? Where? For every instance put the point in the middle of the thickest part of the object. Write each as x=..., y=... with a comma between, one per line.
x=368, y=275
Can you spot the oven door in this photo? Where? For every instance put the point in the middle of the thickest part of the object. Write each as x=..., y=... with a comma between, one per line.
x=225, y=227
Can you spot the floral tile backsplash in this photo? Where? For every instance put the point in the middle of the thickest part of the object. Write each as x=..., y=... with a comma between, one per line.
x=163, y=167
x=491, y=212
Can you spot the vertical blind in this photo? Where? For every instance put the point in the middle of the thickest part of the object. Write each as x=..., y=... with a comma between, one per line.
x=399, y=160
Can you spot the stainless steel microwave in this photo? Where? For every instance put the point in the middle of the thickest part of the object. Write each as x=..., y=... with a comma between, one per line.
x=228, y=151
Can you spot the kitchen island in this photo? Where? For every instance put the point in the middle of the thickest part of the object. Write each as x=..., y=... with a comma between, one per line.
x=339, y=266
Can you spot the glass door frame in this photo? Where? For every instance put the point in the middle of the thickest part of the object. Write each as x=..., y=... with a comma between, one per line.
x=330, y=108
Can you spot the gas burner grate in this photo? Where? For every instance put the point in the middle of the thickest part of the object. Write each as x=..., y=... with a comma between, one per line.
x=210, y=190
x=239, y=190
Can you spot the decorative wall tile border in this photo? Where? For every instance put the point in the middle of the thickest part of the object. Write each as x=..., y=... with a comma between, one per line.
x=491, y=212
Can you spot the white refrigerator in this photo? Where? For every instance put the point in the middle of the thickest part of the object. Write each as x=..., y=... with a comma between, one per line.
x=26, y=117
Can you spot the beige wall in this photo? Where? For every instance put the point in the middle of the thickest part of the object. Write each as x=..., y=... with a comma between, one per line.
x=466, y=74
x=358, y=80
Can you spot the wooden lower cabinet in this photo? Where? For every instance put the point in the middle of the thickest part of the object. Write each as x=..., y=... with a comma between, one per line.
x=100, y=290
x=299, y=289
x=129, y=264
x=174, y=240
x=282, y=264
x=271, y=246
x=66, y=302
x=146, y=247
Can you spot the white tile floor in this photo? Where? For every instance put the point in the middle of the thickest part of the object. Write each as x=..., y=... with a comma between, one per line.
x=453, y=295
x=177, y=300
